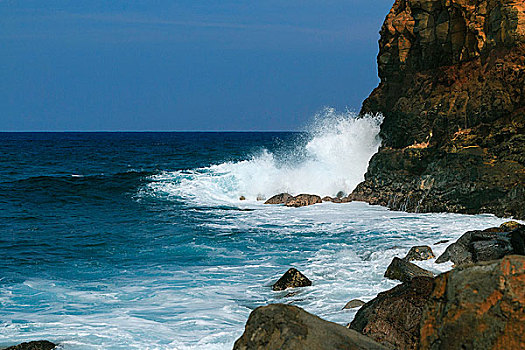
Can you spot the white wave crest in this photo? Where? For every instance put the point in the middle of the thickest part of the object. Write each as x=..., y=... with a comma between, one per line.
x=334, y=159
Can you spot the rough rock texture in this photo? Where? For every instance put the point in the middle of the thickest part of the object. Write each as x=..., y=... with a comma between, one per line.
x=292, y=278
x=393, y=317
x=303, y=200
x=452, y=93
x=286, y=327
x=33, y=345
x=404, y=271
x=280, y=198
x=490, y=244
x=420, y=252
x=477, y=307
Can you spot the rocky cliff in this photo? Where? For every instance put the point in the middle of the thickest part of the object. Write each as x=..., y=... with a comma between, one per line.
x=452, y=92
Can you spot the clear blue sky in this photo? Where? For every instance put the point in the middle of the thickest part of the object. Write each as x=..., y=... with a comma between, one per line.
x=183, y=65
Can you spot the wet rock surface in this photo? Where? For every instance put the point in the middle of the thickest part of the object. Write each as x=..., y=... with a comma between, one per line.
x=452, y=97
x=420, y=252
x=292, y=278
x=288, y=327
x=280, y=198
x=477, y=307
x=354, y=303
x=303, y=200
x=405, y=271
x=33, y=345
x=393, y=317
x=490, y=244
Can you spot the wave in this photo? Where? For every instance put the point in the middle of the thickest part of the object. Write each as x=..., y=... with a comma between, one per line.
x=333, y=157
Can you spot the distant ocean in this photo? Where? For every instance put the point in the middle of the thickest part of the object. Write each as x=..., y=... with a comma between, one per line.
x=140, y=240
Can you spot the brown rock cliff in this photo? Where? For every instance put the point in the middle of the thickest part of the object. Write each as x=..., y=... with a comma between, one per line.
x=452, y=93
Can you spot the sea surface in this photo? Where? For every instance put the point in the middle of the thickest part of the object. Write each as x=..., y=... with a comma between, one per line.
x=140, y=240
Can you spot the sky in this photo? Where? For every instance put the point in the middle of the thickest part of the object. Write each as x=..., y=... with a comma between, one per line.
x=184, y=65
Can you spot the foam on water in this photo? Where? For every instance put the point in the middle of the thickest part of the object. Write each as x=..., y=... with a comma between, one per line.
x=334, y=158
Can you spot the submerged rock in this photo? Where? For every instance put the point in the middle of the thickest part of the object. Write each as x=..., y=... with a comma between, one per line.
x=404, y=271
x=393, y=317
x=287, y=327
x=303, y=200
x=420, y=252
x=292, y=278
x=479, y=307
x=354, y=303
x=33, y=345
x=490, y=244
x=280, y=198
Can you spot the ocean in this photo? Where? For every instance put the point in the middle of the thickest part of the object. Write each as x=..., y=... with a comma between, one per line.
x=140, y=240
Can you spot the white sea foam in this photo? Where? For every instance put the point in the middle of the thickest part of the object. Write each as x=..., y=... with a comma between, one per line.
x=334, y=159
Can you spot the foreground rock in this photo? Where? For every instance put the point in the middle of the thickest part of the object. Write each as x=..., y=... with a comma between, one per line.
x=404, y=271
x=420, y=252
x=33, y=345
x=490, y=244
x=292, y=278
x=452, y=97
x=393, y=317
x=477, y=307
x=286, y=327
x=303, y=200
x=280, y=198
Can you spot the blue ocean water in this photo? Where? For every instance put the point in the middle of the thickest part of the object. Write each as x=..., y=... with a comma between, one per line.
x=140, y=241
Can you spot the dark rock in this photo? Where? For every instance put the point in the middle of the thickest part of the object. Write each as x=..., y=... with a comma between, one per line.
x=442, y=241
x=287, y=327
x=33, y=345
x=354, y=303
x=327, y=199
x=303, y=200
x=404, y=271
x=451, y=94
x=340, y=194
x=280, y=198
x=490, y=244
x=242, y=198
x=421, y=252
x=479, y=306
x=292, y=279
x=393, y=317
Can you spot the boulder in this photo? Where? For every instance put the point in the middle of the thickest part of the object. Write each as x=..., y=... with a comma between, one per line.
x=327, y=199
x=490, y=244
x=280, y=198
x=287, y=327
x=393, y=317
x=404, y=271
x=479, y=306
x=292, y=278
x=303, y=200
x=420, y=252
x=354, y=303
x=33, y=345
x=242, y=198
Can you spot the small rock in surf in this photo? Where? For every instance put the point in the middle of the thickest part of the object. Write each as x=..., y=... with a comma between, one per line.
x=293, y=278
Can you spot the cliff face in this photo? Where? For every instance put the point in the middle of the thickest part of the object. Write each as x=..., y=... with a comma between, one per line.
x=452, y=93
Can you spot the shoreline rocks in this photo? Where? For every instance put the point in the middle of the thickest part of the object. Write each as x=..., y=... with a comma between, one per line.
x=280, y=327
x=420, y=253
x=405, y=271
x=292, y=278
x=33, y=345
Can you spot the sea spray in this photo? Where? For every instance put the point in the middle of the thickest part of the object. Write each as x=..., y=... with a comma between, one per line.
x=333, y=157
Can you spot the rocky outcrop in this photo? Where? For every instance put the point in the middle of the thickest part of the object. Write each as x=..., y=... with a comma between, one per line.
x=353, y=304
x=404, y=271
x=292, y=278
x=477, y=307
x=303, y=200
x=452, y=93
x=393, y=317
x=280, y=198
x=279, y=327
x=490, y=244
x=420, y=252
x=33, y=345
